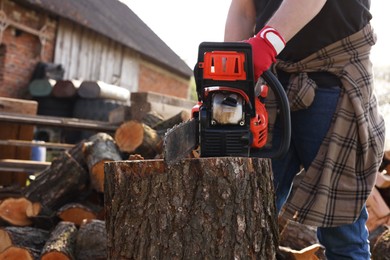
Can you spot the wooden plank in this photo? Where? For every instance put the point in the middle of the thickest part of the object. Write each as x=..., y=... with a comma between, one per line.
x=22, y=106
x=13, y=130
x=62, y=122
x=130, y=71
x=12, y=142
x=26, y=166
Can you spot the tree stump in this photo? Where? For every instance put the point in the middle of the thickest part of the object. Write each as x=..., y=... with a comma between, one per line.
x=204, y=208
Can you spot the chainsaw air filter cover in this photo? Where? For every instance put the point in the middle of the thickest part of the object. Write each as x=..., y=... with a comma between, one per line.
x=227, y=108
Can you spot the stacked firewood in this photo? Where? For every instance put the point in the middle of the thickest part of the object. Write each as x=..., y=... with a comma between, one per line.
x=378, y=206
x=62, y=208
x=60, y=214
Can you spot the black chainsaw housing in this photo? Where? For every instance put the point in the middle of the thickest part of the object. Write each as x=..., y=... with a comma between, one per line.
x=218, y=140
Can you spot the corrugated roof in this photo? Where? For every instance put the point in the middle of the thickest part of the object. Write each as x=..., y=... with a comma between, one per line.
x=118, y=22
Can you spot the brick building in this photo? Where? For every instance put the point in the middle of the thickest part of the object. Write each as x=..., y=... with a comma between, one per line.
x=92, y=40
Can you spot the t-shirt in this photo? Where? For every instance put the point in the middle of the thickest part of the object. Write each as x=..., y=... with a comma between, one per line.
x=336, y=20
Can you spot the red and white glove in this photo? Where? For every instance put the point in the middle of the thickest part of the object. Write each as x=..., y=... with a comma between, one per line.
x=266, y=45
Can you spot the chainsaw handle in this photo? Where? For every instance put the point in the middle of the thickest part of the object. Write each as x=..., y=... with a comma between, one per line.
x=280, y=94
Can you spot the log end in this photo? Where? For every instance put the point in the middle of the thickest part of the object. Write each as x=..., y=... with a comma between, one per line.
x=14, y=253
x=16, y=211
x=129, y=136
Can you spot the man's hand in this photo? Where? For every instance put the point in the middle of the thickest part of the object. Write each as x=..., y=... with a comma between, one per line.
x=266, y=45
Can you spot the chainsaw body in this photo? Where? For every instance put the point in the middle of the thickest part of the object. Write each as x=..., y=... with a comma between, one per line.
x=232, y=117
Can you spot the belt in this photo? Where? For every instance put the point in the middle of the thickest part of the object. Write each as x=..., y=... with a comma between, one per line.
x=322, y=79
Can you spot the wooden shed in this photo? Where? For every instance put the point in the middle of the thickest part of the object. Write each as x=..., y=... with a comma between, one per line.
x=92, y=40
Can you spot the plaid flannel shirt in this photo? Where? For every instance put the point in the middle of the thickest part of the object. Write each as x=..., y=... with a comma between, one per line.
x=335, y=187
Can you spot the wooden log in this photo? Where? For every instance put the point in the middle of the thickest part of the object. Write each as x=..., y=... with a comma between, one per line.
x=61, y=243
x=100, y=89
x=295, y=235
x=41, y=87
x=66, y=88
x=59, y=184
x=16, y=253
x=308, y=253
x=385, y=165
x=87, y=248
x=382, y=247
x=174, y=120
x=76, y=213
x=167, y=106
x=100, y=148
x=119, y=115
x=152, y=118
x=204, y=208
x=10, y=192
x=18, y=211
x=30, y=238
x=136, y=137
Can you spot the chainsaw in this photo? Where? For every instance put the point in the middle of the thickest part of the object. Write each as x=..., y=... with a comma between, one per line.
x=230, y=118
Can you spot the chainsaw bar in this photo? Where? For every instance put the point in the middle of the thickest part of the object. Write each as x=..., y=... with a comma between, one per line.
x=180, y=140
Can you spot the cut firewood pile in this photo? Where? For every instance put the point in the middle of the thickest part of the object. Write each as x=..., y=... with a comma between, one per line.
x=62, y=208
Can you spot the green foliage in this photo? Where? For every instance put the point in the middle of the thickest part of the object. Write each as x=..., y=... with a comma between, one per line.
x=193, y=94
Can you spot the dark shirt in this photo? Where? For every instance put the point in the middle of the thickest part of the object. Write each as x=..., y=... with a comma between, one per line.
x=337, y=19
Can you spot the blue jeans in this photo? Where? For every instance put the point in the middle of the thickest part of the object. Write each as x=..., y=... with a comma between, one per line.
x=309, y=127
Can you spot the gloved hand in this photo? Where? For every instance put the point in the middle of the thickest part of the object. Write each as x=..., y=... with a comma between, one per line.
x=266, y=45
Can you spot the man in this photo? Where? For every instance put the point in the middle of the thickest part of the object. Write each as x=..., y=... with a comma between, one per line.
x=320, y=50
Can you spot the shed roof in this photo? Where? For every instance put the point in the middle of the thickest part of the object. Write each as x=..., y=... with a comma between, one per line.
x=117, y=21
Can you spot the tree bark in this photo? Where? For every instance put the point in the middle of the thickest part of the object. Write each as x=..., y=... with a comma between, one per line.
x=61, y=243
x=382, y=247
x=29, y=238
x=62, y=182
x=204, y=208
x=87, y=248
x=99, y=149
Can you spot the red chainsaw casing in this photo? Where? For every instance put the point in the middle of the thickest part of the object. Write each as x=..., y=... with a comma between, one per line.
x=223, y=72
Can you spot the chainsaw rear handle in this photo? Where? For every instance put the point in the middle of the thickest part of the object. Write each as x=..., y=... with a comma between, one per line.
x=280, y=94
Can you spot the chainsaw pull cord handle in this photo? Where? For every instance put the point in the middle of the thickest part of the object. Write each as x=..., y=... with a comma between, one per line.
x=280, y=94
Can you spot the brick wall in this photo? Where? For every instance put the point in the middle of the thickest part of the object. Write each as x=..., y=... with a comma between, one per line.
x=152, y=78
x=21, y=50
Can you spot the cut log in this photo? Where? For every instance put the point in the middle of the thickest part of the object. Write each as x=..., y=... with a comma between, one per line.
x=119, y=115
x=18, y=211
x=385, y=165
x=308, y=253
x=61, y=243
x=201, y=208
x=66, y=88
x=30, y=238
x=87, y=248
x=167, y=106
x=100, y=89
x=295, y=235
x=76, y=213
x=99, y=149
x=10, y=192
x=174, y=120
x=152, y=118
x=382, y=247
x=136, y=137
x=16, y=253
x=41, y=87
x=59, y=184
